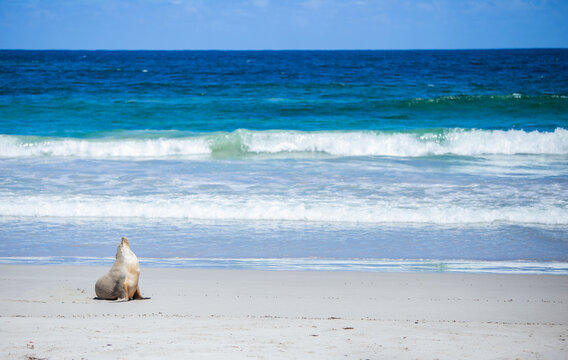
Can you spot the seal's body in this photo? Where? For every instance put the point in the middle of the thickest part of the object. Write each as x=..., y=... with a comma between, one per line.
x=121, y=282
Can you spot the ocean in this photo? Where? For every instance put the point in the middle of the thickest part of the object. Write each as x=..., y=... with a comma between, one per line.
x=437, y=161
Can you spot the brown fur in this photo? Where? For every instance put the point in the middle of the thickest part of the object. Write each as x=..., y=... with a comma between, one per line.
x=121, y=282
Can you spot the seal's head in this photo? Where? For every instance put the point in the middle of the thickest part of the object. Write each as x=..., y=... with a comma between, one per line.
x=123, y=248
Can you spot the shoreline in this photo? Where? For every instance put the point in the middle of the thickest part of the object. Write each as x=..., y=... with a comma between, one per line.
x=428, y=266
x=50, y=312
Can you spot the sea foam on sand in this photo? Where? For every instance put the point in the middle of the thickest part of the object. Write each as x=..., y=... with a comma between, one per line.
x=50, y=312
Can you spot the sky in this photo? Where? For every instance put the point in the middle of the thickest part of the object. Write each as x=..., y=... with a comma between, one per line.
x=292, y=24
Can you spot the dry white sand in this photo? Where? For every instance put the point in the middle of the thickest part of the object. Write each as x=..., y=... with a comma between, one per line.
x=50, y=312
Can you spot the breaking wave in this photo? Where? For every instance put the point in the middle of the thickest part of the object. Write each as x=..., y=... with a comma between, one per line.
x=459, y=142
x=258, y=208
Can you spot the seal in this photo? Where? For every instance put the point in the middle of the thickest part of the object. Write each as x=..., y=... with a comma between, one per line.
x=121, y=282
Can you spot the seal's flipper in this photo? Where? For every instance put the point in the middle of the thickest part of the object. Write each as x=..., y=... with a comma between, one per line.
x=138, y=295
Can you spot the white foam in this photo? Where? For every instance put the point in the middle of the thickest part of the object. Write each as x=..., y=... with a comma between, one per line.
x=339, y=144
x=336, y=143
x=257, y=207
x=12, y=146
x=456, y=142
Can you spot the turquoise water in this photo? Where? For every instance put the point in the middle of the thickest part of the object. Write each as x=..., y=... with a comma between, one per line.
x=365, y=160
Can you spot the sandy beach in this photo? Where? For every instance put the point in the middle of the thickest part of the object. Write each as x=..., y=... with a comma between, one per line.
x=49, y=312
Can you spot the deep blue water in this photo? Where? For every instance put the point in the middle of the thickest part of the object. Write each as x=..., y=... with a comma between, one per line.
x=235, y=159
